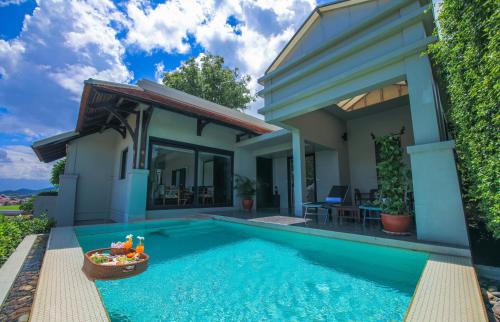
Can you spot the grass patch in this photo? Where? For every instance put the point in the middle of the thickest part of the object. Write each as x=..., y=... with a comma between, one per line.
x=9, y=207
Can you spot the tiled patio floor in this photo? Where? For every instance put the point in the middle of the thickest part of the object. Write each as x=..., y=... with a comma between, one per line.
x=372, y=228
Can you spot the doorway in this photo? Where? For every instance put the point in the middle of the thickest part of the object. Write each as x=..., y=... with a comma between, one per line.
x=311, y=195
x=264, y=183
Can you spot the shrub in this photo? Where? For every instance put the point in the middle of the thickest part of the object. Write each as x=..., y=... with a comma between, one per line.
x=49, y=193
x=394, y=176
x=468, y=61
x=14, y=229
x=57, y=170
x=27, y=206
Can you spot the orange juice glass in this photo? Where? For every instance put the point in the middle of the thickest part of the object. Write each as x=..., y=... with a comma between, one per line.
x=139, y=249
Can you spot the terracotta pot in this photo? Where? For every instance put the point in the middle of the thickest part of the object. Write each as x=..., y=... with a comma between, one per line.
x=397, y=224
x=247, y=204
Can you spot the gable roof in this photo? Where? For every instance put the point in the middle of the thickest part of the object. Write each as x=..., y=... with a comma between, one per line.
x=306, y=26
x=94, y=116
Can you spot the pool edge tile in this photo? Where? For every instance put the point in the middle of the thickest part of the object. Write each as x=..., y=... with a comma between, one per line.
x=64, y=293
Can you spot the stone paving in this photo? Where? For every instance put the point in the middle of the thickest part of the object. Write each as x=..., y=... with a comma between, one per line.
x=17, y=305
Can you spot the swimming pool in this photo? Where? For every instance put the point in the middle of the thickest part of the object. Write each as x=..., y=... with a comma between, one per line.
x=211, y=270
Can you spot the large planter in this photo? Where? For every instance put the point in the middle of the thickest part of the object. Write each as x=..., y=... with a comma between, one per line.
x=397, y=224
x=247, y=204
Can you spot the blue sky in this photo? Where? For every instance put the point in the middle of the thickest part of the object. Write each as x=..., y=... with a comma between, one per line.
x=48, y=48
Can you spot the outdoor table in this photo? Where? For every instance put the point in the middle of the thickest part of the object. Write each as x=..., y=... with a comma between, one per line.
x=370, y=212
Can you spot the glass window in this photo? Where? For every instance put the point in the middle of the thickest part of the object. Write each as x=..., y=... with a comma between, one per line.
x=171, y=177
x=214, y=179
x=183, y=175
x=123, y=164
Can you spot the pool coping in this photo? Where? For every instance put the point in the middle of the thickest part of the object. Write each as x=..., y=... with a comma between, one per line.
x=448, y=289
x=64, y=293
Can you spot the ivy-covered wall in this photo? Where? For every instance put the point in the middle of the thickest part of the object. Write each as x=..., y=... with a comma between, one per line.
x=468, y=61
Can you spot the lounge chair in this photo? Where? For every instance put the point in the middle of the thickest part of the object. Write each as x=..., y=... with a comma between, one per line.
x=336, y=196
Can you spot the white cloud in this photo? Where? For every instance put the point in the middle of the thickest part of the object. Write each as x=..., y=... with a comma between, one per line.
x=10, y=53
x=62, y=43
x=263, y=29
x=159, y=71
x=5, y=3
x=167, y=26
x=19, y=162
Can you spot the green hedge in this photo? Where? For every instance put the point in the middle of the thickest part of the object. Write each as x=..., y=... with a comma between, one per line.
x=468, y=61
x=14, y=229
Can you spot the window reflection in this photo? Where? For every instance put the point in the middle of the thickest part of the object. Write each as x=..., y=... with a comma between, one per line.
x=171, y=177
x=188, y=177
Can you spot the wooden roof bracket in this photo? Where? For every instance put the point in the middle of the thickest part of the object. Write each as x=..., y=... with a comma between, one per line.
x=200, y=125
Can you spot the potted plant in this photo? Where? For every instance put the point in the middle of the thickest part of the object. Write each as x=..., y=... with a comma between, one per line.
x=394, y=179
x=245, y=189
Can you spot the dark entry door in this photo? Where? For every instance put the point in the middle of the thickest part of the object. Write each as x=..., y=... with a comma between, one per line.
x=264, y=183
x=310, y=179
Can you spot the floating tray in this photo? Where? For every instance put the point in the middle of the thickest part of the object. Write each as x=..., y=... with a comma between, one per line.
x=113, y=272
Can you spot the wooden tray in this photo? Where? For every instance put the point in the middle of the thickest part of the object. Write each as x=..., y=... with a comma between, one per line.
x=112, y=272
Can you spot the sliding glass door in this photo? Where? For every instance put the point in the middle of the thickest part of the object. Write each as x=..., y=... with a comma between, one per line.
x=185, y=175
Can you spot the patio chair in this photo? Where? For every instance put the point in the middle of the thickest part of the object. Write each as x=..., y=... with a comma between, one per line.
x=337, y=195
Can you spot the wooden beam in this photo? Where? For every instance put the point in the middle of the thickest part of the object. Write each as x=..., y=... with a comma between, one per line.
x=200, y=125
x=124, y=122
x=145, y=126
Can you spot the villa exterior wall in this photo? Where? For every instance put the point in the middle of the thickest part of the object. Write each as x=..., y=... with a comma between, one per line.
x=92, y=158
x=330, y=136
x=119, y=188
x=361, y=146
x=367, y=59
x=327, y=172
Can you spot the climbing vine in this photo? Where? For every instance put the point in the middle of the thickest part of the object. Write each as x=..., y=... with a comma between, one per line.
x=468, y=60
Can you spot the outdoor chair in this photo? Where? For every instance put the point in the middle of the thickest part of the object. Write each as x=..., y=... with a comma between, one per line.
x=336, y=196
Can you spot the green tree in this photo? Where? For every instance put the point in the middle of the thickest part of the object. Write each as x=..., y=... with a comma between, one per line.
x=211, y=80
x=468, y=60
x=57, y=170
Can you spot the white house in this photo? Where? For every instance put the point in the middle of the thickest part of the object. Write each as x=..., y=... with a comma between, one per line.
x=354, y=69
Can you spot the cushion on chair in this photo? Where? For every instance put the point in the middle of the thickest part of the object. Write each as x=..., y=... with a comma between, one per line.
x=333, y=199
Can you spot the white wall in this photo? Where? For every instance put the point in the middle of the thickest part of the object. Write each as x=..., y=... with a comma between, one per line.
x=361, y=147
x=119, y=187
x=92, y=158
x=327, y=172
x=331, y=130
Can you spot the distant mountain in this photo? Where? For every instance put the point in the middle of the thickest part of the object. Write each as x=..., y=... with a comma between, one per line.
x=23, y=192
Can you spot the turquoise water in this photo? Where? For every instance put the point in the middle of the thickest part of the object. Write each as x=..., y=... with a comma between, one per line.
x=218, y=271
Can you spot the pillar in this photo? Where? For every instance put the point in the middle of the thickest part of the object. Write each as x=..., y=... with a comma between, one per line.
x=299, y=171
x=439, y=212
x=136, y=198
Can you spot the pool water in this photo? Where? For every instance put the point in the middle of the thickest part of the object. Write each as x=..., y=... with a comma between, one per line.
x=212, y=270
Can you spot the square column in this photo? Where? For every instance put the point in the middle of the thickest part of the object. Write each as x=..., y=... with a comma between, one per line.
x=136, y=195
x=299, y=171
x=423, y=103
x=438, y=202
